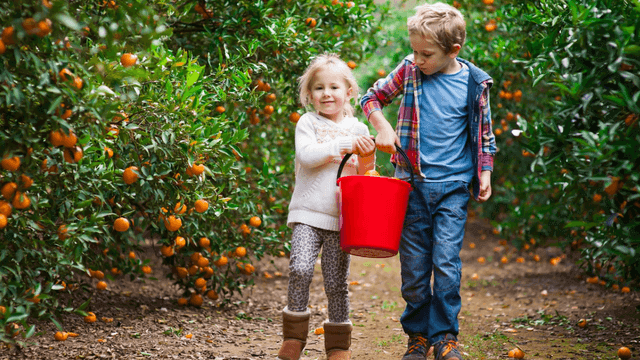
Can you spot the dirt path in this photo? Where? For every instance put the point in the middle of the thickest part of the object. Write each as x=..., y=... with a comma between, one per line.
x=504, y=307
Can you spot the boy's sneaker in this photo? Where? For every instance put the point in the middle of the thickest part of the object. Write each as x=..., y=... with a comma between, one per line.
x=447, y=349
x=417, y=348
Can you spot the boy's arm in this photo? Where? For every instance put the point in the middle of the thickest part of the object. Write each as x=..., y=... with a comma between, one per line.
x=488, y=148
x=380, y=95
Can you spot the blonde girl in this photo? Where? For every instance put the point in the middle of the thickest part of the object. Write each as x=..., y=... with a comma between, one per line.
x=323, y=136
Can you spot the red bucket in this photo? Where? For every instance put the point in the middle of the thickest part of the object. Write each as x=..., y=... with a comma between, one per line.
x=372, y=211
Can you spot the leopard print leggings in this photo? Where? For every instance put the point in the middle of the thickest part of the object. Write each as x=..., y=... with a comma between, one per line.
x=306, y=242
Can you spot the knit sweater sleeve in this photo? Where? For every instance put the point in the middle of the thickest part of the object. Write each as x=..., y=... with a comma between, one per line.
x=310, y=153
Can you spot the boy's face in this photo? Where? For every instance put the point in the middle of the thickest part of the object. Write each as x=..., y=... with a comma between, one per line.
x=430, y=58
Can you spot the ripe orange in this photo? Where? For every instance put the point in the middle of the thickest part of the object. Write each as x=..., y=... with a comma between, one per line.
x=21, y=201
x=101, y=285
x=26, y=181
x=222, y=261
x=381, y=73
x=182, y=272
x=245, y=230
x=73, y=155
x=10, y=164
x=241, y=251
x=172, y=223
x=109, y=152
x=8, y=35
x=582, y=323
x=200, y=282
x=166, y=250
x=44, y=27
x=98, y=274
x=129, y=176
x=255, y=221
x=3, y=48
x=180, y=242
x=203, y=261
x=196, y=299
x=311, y=22
x=592, y=280
x=5, y=208
x=371, y=173
x=132, y=255
x=193, y=269
x=319, y=331
x=624, y=353
x=77, y=83
x=625, y=289
x=183, y=301
x=180, y=209
x=518, y=354
x=195, y=256
x=60, y=336
x=9, y=190
x=121, y=224
x=201, y=205
x=220, y=109
x=597, y=198
x=197, y=169
x=204, y=242
x=352, y=64
x=128, y=60
x=3, y=221
x=64, y=73
x=294, y=117
x=490, y=27
x=212, y=294
x=268, y=110
x=249, y=269
x=481, y=260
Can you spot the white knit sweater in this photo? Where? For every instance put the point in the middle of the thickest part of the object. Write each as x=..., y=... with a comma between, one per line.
x=320, y=147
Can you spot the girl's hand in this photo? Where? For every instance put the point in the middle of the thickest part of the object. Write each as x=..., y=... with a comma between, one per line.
x=365, y=145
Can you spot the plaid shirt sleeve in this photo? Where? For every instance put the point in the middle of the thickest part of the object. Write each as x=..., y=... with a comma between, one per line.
x=383, y=91
x=488, y=139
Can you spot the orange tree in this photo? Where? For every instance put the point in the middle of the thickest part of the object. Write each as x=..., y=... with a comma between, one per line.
x=131, y=120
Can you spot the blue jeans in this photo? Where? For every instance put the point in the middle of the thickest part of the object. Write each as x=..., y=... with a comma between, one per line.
x=431, y=243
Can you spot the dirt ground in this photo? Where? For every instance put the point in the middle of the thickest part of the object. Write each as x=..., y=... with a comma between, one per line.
x=535, y=305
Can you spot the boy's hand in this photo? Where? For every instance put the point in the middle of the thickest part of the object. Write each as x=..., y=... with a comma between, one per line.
x=364, y=145
x=485, y=186
x=387, y=139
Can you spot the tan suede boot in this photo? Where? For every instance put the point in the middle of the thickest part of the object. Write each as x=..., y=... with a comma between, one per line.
x=337, y=340
x=295, y=328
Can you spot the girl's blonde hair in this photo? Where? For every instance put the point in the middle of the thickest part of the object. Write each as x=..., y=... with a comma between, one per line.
x=321, y=62
x=443, y=23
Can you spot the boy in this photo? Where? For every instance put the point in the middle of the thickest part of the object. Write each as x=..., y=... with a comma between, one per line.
x=444, y=126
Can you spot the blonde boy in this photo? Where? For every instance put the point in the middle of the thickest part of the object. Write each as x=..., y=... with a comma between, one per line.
x=444, y=126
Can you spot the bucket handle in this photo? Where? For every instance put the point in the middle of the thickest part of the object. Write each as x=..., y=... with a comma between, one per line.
x=398, y=148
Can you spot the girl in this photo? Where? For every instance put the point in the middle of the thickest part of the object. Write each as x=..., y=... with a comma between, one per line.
x=322, y=138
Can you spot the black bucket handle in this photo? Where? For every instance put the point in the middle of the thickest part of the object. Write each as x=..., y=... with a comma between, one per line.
x=398, y=148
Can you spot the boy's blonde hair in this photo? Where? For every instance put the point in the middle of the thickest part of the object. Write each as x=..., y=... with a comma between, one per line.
x=442, y=22
x=323, y=61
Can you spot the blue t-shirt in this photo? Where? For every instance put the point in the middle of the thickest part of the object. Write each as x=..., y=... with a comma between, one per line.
x=445, y=152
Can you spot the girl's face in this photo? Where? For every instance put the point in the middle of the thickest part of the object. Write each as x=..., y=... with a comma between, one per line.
x=329, y=93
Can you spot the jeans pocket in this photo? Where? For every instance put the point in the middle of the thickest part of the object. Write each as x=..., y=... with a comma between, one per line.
x=410, y=220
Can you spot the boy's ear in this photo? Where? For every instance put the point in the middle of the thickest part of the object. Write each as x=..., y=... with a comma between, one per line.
x=455, y=50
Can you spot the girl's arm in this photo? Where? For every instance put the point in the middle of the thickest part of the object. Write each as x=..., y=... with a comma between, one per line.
x=310, y=153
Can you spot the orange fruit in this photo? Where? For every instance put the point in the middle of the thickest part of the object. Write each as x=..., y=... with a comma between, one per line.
x=46, y=4
x=196, y=169
x=208, y=272
x=200, y=282
x=592, y=280
x=371, y=173
x=9, y=190
x=128, y=60
x=597, y=198
x=625, y=289
x=319, y=331
x=193, y=269
x=518, y=354
x=311, y=22
x=180, y=242
x=220, y=109
x=73, y=155
x=129, y=176
x=3, y=221
x=101, y=285
x=21, y=201
x=132, y=255
x=60, y=336
x=222, y=261
x=172, y=223
x=72, y=334
x=472, y=245
x=582, y=323
x=624, y=353
x=245, y=229
x=212, y=294
x=180, y=209
x=270, y=98
x=109, y=152
x=44, y=27
x=490, y=27
x=201, y=205
x=183, y=301
x=249, y=269
x=64, y=73
x=121, y=224
x=294, y=117
x=166, y=250
x=241, y=251
x=255, y=221
x=8, y=35
x=56, y=138
x=26, y=181
x=98, y=274
x=352, y=64
x=195, y=256
x=5, y=208
x=196, y=299
x=182, y=272
x=481, y=260
x=203, y=261
x=381, y=73
x=3, y=48
x=10, y=164
x=204, y=242
x=77, y=83
x=268, y=110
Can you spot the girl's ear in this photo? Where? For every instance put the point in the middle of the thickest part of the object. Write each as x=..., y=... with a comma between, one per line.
x=349, y=92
